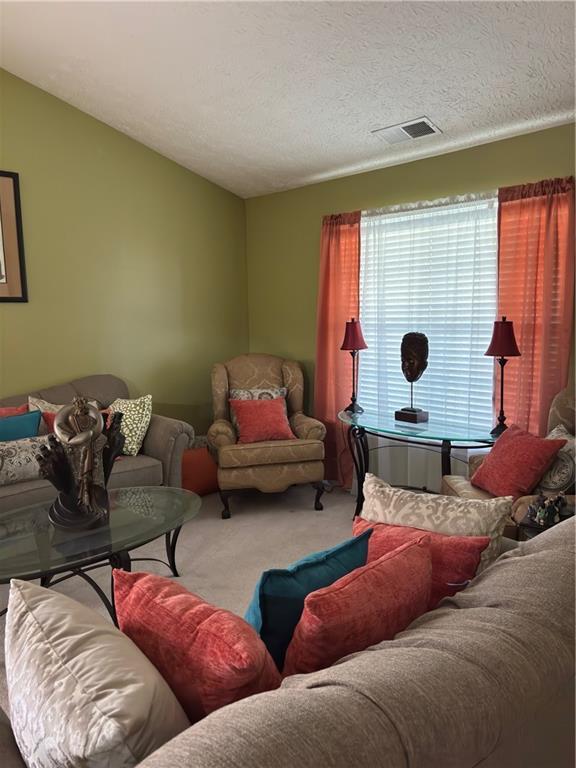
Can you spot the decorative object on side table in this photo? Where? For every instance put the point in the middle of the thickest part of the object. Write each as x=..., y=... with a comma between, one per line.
x=78, y=462
x=544, y=513
x=502, y=346
x=414, y=352
x=12, y=266
x=353, y=343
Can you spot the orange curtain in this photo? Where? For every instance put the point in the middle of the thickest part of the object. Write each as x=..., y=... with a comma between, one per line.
x=536, y=292
x=338, y=301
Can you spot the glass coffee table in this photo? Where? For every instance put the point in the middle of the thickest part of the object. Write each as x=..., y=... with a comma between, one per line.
x=32, y=548
x=435, y=433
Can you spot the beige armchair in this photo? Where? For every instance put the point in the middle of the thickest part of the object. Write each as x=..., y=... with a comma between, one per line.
x=273, y=465
x=561, y=412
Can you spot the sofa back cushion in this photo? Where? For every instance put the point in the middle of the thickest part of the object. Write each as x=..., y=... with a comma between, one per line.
x=103, y=387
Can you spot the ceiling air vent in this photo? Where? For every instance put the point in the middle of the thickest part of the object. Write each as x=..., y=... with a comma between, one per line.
x=414, y=129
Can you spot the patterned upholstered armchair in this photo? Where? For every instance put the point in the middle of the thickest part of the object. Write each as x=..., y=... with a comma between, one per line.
x=561, y=412
x=269, y=466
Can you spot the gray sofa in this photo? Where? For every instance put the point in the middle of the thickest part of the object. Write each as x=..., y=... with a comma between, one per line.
x=486, y=679
x=159, y=462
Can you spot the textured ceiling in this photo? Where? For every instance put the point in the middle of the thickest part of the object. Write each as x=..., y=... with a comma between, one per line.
x=266, y=96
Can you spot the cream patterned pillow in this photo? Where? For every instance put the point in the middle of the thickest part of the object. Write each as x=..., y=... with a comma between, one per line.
x=560, y=476
x=18, y=459
x=442, y=514
x=136, y=415
x=81, y=693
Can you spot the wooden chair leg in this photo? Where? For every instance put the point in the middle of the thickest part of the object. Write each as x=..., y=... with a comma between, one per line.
x=319, y=491
x=225, y=496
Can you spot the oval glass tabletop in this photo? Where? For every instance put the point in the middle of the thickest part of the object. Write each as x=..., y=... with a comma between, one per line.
x=31, y=546
x=434, y=429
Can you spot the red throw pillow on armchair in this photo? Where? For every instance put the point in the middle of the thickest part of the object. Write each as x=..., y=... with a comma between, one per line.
x=371, y=604
x=208, y=656
x=516, y=463
x=260, y=420
x=455, y=559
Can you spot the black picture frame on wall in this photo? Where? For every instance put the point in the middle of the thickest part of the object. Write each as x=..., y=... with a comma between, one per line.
x=13, y=286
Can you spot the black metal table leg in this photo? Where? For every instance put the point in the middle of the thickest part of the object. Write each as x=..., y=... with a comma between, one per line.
x=171, y=541
x=122, y=561
x=358, y=444
x=109, y=605
x=446, y=453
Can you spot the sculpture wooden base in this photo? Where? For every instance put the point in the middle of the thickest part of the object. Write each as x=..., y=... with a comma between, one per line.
x=65, y=513
x=413, y=415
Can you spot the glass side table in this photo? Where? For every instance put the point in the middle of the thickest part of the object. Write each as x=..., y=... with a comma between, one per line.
x=32, y=548
x=433, y=433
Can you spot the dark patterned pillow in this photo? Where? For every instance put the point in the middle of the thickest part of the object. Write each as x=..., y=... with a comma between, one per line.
x=18, y=460
x=561, y=475
x=265, y=393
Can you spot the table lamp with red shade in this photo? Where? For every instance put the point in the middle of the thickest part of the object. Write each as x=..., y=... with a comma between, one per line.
x=502, y=346
x=353, y=343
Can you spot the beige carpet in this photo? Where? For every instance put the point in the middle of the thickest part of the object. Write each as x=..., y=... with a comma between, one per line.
x=222, y=559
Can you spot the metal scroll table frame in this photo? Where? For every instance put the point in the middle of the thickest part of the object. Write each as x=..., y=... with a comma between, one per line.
x=358, y=444
x=120, y=559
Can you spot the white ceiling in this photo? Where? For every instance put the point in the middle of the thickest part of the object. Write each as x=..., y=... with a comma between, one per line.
x=267, y=96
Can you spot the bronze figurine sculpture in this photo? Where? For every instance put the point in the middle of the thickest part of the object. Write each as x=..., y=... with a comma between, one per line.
x=414, y=354
x=78, y=461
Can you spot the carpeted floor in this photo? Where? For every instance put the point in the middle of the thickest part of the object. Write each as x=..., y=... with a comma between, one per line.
x=222, y=559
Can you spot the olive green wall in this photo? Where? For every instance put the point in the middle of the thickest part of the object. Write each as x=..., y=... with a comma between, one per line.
x=283, y=229
x=135, y=265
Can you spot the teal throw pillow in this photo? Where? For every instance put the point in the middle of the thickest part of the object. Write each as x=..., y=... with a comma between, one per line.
x=19, y=427
x=278, y=599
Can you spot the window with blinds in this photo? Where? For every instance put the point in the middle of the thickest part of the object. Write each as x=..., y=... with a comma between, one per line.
x=430, y=268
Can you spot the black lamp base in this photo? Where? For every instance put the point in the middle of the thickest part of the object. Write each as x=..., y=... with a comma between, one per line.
x=498, y=429
x=354, y=408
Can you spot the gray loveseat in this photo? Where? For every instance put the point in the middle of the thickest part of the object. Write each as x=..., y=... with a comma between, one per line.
x=159, y=462
x=485, y=680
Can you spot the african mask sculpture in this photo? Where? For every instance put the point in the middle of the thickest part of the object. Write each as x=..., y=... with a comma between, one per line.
x=78, y=461
x=414, y=354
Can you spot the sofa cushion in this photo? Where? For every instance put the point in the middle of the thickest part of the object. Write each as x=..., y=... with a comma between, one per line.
x=278, y=599
x=210, y=657
x=457, y=485
x=368, y=605
x=9, y=755
x=272, y=452
x=442, y=514
x=127, y=471
x=80, y=692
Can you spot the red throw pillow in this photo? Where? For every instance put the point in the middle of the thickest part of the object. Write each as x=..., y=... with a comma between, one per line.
x=455, y=559
x=261, y=420
x=49, y=420
x=516, y=463
x=199, y=471
x=367, y=606
x=208, y=656
x=13, y=410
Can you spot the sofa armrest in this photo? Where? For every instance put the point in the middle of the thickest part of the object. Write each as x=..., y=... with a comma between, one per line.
x=520, y=506
x=307, y=428
x=221, y=433
x=166, y=440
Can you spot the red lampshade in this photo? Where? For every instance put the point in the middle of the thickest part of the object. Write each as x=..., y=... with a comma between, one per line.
x=503, y=342
x=353, y=338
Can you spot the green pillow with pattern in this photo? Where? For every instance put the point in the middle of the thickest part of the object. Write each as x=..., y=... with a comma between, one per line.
x=136, y=415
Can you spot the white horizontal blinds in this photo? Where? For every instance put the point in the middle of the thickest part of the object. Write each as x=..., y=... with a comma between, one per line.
x=431, y=269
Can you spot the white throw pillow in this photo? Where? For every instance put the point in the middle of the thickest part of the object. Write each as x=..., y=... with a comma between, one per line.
x=136, y=415
x=451, y=515
x=560, y=476
x=81, y=693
